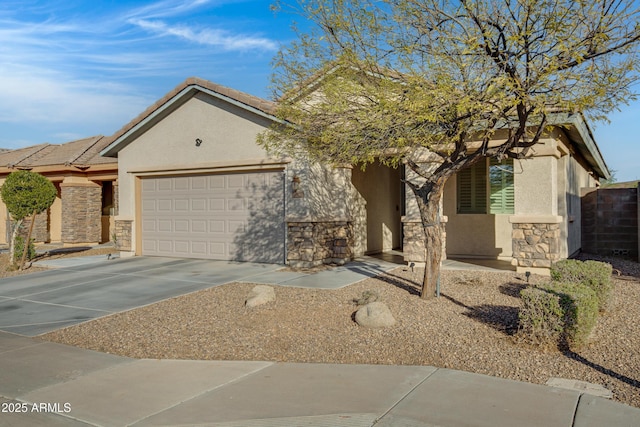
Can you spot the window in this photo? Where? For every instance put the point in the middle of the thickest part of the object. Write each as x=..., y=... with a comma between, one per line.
x=486, y=187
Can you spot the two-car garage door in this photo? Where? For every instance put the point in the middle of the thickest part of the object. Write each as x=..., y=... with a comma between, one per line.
x=234, y=216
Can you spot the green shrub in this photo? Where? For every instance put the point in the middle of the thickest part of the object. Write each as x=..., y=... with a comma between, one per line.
x=579, y=305
x=541, y=319
x=557, y=314
x=19, y=249
x=593, y=274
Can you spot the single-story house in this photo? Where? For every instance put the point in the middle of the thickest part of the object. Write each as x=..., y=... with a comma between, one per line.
x=193, y=183
x=83, y=211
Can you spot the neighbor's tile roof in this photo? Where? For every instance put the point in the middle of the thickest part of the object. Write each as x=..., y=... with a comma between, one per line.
x=80, y=153
x=263, y=105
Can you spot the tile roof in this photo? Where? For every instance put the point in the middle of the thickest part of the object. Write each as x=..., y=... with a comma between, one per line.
x=80, y=153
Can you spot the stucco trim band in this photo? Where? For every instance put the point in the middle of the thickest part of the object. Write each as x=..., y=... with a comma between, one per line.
x=535, y=219
x=216, y=167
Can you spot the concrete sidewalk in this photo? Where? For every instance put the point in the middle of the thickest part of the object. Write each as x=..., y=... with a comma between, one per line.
x=58, y=385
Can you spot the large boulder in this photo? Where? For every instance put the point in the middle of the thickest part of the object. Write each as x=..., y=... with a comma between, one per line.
x=260, y=295
x=375, y=315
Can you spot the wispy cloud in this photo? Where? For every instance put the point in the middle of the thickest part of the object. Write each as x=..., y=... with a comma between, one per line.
x=167, y=8
x=70, y=69
x=213, y=37
x=148, y=19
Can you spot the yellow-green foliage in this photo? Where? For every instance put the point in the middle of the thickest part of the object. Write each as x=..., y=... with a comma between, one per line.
x=593, y=274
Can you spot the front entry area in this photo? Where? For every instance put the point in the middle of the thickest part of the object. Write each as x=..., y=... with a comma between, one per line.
x=231, y=216
x=378, y=208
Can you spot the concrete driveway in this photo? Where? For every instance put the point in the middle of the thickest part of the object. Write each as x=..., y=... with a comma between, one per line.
x=80, y=289
x=37, y=303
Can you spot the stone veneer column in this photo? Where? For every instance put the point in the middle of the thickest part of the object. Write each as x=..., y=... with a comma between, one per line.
x=40, y=228
x=413, y=247
x=123, y=234
x=81, y=212
x=535, y=242
x=312, y=243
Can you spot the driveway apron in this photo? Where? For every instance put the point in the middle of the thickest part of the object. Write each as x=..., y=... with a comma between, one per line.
x=34, y=304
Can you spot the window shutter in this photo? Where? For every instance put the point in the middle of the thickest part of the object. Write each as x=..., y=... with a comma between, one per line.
x=472, y=189
x=501, y=184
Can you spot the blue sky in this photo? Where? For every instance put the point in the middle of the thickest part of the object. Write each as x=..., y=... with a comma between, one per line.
x=71, y=69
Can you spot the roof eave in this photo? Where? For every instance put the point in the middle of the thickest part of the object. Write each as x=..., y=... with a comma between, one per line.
x=162, y=111
x=582, y=138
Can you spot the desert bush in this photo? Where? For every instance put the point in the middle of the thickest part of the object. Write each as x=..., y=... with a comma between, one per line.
x=593, y=274
x=541, y=318
x=558, y=313
x=580, y=309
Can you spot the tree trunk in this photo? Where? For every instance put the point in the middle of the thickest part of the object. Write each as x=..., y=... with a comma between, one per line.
x=12, y=245
x=433, y=258
x=28, y=240
x=428, y=197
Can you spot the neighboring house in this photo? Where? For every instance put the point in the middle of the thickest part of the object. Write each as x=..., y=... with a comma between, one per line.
x=194, y=184
x=86, y=185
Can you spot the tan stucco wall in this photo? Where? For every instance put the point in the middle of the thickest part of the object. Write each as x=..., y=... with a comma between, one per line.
x=475, y=235
x=55, y=218
x=572, y=177
x=536, y=186
x=228, y=134
x=325, y=192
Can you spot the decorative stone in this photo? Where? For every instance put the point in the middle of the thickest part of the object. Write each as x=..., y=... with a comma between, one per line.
x=259, y=295
x=123, y=234
x=82, y=212
x=375, y=315
x=315, y=243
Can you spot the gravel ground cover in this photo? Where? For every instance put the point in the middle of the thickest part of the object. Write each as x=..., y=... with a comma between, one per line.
x=470, y=327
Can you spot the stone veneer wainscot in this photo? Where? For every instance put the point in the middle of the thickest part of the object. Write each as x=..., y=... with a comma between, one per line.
x=312, y=243
x=536, y=242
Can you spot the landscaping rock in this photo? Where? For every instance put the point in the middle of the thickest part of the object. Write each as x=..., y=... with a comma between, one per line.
x=375, y=315
x=260, y=295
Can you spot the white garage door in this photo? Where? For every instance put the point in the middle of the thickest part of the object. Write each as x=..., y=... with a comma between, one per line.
x=238, y=216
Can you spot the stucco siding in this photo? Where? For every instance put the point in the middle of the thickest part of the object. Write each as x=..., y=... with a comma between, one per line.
x=536, y=186
x=474, y=235
x=227, y=134
x=323, y=192
x=572, y=177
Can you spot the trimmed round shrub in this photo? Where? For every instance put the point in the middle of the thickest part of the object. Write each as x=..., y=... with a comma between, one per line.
x=593, y=274
x=541, y=318
x=579, y=305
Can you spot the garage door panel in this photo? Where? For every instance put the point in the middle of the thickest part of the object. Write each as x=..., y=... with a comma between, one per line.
x=231, y=217
x=199, y=204
x=180, y=184
x=164, y=226
x=149, y=226
x=216, y=204
x=198, y=226
x=198, y=183
x=199, y=248
x=216, y=226
x=181, y=225
x=181, y=205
